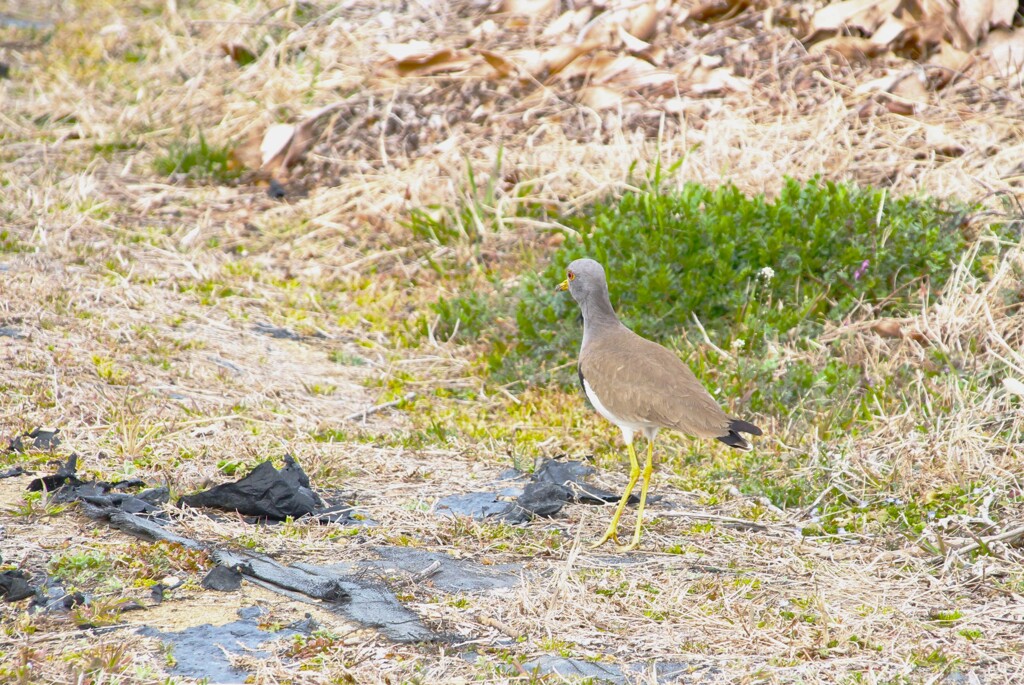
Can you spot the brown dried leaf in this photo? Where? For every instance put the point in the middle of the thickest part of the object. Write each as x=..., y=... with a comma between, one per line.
x=864, y=15
x=654, y=54
x=275, y=142
x=1006, y=51
x=868, y=109
x=642, y=21
x=420, y=58
x=891, y=30
x=951, y=58
x=501, y=64
x=632, y=43
x=932, y=23
x=912, y=87
x=600, y=97
x=555, y=60
x=710, y=10
x=720, y=80
x=1003, y=12
x=623, y=70
x=284, y=144
x=974, y=17
x=887, y=328
x=570, y=22
x=953, y=63
x=878, y=85
x=247, y=155
x=851, y=48
x=900, y=107
x=631, y=72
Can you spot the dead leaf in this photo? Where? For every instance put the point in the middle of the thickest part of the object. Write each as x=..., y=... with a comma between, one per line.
x=1003, y=12
x=399, y=52
x=284, y=144
x=710, y=10
x=600, y=98
x=568, y=23
x=718, y=81
x=851, y=48
x=868, y=109
x=888, y=328
x=632, y=43
x=912, y=87
x=654, y=54
x=631, y=72
x=1006, y=50
x=420, y=58
x=554, y=60
x=247, y=155
x=926, y=26
x=936, y=138
x=276, y=140
x=501, y=64
x=878, y=85
x=892, y=328
x=973, y=18
x=949, y=57
x=900, y=107
x=891, y=30
x=642, y=20
x=863, y=15
x=952, y=63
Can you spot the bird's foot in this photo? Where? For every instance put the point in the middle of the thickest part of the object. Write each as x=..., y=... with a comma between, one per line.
x=612, y=534
x=634, y=543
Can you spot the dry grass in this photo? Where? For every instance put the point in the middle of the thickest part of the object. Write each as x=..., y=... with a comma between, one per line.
x=137, y=299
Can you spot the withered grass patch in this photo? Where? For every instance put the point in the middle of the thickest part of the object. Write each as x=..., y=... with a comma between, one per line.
x=146, y=307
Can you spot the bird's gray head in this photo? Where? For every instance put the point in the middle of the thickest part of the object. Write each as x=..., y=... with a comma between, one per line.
x=585, y=281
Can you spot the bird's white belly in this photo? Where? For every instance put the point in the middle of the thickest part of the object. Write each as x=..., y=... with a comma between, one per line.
x=628, y=428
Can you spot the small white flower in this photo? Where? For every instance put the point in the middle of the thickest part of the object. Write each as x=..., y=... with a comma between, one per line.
x=767, y=273
x=738, y=343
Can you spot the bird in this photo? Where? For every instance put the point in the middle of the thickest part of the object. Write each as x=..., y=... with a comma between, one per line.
x=640, y=386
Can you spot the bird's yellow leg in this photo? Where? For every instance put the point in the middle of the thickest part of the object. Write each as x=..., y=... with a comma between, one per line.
x=648, y=470
x=634, y=475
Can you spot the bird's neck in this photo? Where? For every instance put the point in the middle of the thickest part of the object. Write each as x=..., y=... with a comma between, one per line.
x=598, y=314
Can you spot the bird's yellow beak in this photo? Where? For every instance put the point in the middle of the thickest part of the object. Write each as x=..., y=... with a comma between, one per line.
x=564, y=285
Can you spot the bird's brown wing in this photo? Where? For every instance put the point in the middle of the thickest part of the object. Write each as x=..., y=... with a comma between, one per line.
x=643, y=382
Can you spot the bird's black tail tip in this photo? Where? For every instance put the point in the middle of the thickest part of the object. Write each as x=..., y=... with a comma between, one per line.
x=733, y=437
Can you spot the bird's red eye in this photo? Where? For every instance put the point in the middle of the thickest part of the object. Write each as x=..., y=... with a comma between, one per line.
x=572, y=276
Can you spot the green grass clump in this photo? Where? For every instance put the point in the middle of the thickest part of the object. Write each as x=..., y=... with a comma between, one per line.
x=197, y=160
x=748, y=268
x=10, y=243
